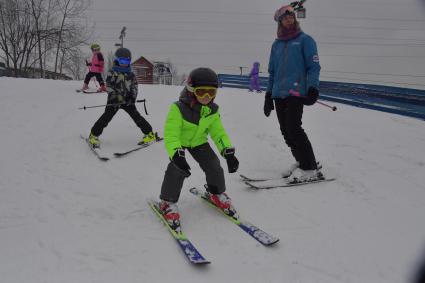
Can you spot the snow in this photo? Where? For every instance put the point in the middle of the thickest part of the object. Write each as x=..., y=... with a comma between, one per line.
x=67, y=217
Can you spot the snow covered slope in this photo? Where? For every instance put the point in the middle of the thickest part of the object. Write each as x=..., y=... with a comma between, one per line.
x=67, y=217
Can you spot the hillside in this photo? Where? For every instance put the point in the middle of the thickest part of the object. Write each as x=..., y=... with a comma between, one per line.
x=67, y=217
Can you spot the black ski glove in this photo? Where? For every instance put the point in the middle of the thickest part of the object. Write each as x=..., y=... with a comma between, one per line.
x=232, y=161
x=87, y=63
x=312, y=96
x=268, y=104
x=130, y=99
x=179, y=160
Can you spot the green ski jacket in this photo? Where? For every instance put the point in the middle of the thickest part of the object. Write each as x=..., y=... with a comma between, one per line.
x=188, y=125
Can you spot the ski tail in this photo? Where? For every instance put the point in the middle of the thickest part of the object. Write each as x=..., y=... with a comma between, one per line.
x=95, y=150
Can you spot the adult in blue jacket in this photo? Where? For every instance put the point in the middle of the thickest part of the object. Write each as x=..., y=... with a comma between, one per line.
x=293, y=82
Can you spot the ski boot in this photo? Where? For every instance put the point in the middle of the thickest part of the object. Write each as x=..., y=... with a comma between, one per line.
x=85, y=87
x=305, y=176
x=286, y=173
x=102, y=88
x=149, y=138
x=170, y=213
x=94, y=141
x=223, y=202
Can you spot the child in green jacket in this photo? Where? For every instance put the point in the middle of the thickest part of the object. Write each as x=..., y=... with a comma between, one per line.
x=188, y=124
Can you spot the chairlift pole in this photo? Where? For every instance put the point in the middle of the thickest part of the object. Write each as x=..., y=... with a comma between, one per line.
x=122, y=35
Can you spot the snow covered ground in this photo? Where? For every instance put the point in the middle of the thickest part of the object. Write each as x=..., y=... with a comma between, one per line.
x=67, y=217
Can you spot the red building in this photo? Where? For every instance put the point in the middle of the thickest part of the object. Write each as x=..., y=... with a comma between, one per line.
x=143, y=69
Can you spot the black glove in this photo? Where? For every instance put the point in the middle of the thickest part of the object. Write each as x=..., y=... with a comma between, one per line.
x=179, y=160
x=232, y=161
x=312, y=96
x=130, y=100
x=268, y=104
x=88, y=64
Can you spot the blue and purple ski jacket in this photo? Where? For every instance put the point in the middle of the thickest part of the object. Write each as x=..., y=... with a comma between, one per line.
x=293, y=66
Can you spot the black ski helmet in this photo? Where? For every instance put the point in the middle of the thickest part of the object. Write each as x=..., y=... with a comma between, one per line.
x=122, y=53
x=202, y=77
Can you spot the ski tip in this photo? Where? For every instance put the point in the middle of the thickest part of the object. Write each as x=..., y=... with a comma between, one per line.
x=271, y=243
x=243, y=177
x=201, y=262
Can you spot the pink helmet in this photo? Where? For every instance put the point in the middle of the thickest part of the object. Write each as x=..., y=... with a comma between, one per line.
x=282, y=11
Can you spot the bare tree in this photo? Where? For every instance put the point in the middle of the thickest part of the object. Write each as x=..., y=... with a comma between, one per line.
x=74, y=65
x=30, y=30
x=71, y=12
x=37, y=12
x=47, y=42
x=178, y=79
x=17, y=38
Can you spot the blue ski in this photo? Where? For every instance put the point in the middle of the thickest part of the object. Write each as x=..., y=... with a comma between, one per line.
x=255, y=232
x=188, y=248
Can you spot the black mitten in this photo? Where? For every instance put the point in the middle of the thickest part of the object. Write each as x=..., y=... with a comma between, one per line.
x=179, y=160
x=312, y=96
x=232, y=161
x=268, y=104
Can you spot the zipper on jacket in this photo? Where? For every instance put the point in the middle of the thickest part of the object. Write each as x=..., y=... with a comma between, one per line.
x=285, y=57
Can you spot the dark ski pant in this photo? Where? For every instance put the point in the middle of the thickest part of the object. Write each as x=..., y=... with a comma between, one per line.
x=209, y=163
x=289, y=113
x=91, y=75
x=110, y=112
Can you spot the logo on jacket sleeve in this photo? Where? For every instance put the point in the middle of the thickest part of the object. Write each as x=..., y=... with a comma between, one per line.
x=316, y=58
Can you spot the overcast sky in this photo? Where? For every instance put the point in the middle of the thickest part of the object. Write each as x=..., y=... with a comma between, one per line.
x=225, y=34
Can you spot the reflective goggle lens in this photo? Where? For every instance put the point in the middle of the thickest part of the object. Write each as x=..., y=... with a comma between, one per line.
x=202, y=92
x=124, y=61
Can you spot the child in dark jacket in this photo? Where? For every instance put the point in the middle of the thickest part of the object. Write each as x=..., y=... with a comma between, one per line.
x=122, y=88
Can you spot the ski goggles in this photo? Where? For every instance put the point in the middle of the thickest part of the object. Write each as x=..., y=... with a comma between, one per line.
x=124, y=61
x=203, y=91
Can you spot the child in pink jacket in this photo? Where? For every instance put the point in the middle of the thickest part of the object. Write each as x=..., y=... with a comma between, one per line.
x=96, y=67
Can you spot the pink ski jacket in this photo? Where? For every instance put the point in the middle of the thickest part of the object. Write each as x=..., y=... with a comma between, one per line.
x=97, y=63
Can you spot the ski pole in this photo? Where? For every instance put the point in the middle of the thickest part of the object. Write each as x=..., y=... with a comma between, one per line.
x=327, y=105
x=116, y=104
